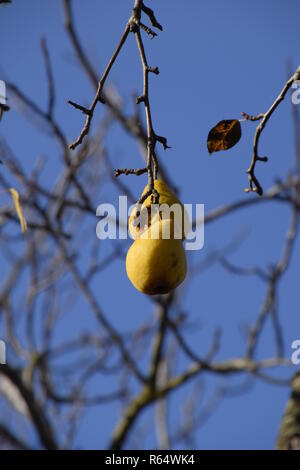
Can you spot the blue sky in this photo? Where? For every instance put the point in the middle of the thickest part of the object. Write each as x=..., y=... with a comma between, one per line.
x=216, y=59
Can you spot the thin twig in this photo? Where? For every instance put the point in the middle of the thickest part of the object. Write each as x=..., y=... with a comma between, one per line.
x=134, y=25
x=130, y=171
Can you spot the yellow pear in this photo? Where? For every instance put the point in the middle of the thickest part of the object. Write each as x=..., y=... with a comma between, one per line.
x=166, y=201
x=156, y=265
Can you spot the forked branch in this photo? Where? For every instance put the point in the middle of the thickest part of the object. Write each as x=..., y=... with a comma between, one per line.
x=254, y=184
x=134, y=26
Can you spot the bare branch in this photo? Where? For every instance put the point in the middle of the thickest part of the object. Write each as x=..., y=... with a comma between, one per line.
x=255, y=186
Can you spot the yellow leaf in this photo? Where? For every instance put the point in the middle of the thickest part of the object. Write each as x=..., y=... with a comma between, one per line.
x=16, y=199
